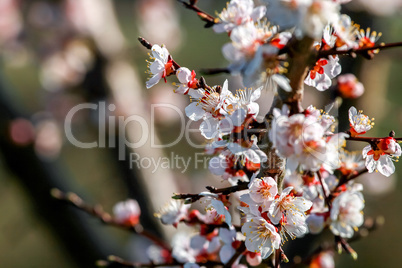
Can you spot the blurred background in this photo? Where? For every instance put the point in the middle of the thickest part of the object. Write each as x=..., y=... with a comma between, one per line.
x=56, y=55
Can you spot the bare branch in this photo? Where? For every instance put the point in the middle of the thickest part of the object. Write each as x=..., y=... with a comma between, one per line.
x=104, y=217
x=210, y=20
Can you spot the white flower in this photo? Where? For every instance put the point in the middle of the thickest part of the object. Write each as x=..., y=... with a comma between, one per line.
x=246, y=98
x=359, y=122
x=227, y=165
x=161, y=67
x=299, y=138
x=210, y=106
x=181, y=249
x=252, y=153
x=322, y=73
x=127, y=212
x=187, y=80
x=221, y=210
x=261, y=236
x=288, y=206
x=286, y=14
x=295, y=180
x=238, y=12
x=315, y=223
x=246, y=39
x=249, y=207
x=333, y=147
x=204, y=246
x=346, y=213
x=309, y=17
x=173, y=212
x=263, y=191
x=265, y=66
x=290, y=211
x=227, y=236
x=381, y=158
x=346, y=33
x=351, y=162
x=317, y=15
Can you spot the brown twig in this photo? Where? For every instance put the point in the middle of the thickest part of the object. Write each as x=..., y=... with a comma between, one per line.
x=210, y=20
x=191, y=198
x=369, y=139
x=346, y=179
x=278, y=255
x=228, y=190
x=326, y=53
x=114, y=261
x=212, y=71
x=326, y=197
x=104, y=217
x=144, y=42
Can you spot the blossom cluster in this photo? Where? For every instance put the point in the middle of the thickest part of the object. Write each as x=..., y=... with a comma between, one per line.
x=319, y=191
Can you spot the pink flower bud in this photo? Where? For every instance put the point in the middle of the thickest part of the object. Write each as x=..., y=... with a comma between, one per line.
x=349, y=86
x=127, y=212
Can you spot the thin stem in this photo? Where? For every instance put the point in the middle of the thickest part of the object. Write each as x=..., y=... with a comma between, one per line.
x=346, y=179
x=323, y=190
x=212, y=71
x=114, y=261
x=144, y=42
x=278, y=255
x=104, y=217
x=228, y=190
x=342, y=243
x=326, y=53
x=191, y=198
x=210, y=20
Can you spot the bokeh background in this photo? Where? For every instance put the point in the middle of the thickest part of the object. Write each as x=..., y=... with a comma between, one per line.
x=58, y=54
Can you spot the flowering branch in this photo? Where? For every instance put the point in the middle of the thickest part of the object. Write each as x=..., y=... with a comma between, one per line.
x=104, y=217
x=352, y=52
x=346, y=179
x=114, y=261
x=371, y=139
x=148, y=45
x=191, y=198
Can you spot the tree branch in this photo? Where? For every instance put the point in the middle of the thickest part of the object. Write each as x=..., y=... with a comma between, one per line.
x=326, y=53
x=104, y=217
x=114, y=261
x=210, y=20
x=225, y=191
x=323, y=190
